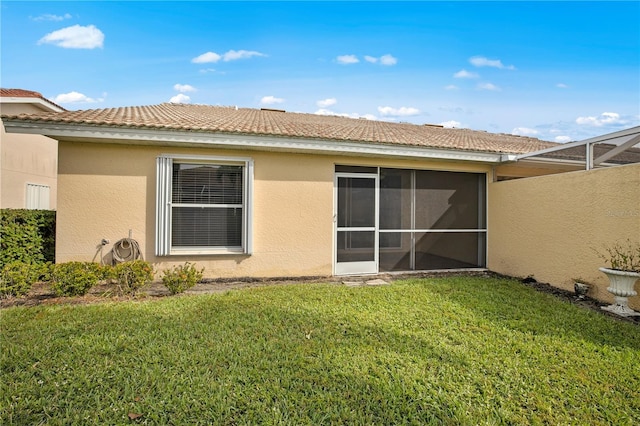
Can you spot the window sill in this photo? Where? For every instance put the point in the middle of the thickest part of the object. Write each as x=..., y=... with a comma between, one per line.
x=207, y=252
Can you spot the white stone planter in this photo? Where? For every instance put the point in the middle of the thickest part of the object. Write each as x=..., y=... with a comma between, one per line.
x=621, y=286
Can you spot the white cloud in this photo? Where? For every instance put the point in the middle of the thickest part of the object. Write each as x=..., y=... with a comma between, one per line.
x=75, y=37
x=75, y=98
x=270, y=100
x=488, y=86
x=51, y=17
x=347, y=59
x=465, y=74
x=481, y=61
x=180, y=99
x=604, y=119
x=562, y=86
x=388, y=60
x=206, y=58
x=563, y=139
x=524, y=131
x=184, y=88
x=397, y=112
x=323, y=103
x=451, y=124
x=383, y=60
x=231, y=55
x=324, y=111
x=451, y=87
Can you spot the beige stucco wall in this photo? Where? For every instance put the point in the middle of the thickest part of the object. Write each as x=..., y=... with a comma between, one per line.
x=25, y=159
x=106, y=190
x=551, y=226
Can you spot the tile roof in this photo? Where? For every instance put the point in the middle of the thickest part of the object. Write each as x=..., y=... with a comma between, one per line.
x=247, y=121
x=21, y=93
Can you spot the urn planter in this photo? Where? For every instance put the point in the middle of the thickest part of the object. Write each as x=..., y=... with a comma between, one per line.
x=621, y=286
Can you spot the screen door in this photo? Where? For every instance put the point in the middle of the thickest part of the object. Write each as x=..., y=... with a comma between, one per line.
x=356, y=223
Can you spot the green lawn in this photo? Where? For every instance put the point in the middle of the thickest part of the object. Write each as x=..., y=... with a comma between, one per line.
x=452, y=351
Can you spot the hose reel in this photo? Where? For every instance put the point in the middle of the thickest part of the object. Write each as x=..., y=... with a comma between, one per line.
x=125, y=250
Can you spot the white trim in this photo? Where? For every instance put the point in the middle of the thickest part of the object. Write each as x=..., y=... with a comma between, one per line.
x=43, y=104
x=208, y=158
x=164, y=206
x=359, y=267
x=100, y=134
x=425, y=231
x=248, y=207
x=208, y=206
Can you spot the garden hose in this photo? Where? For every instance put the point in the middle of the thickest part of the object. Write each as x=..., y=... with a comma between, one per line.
x=125, y=250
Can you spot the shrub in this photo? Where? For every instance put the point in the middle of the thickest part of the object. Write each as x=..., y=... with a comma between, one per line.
x=622, y=256
x=75, y=278
x=17, y=278
x=27, y=236
x=131, y=276
x=181, y=278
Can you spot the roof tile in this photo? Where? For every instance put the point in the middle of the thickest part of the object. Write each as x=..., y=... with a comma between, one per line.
x=21, y=93
x=217, y=119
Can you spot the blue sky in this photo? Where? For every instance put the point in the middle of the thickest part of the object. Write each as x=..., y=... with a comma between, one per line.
x=558, y=71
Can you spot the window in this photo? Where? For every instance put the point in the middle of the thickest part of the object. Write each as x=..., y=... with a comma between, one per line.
x=203, y=205
x=37, y=197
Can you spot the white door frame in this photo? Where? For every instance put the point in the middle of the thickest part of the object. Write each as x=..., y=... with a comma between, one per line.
x=359, y=267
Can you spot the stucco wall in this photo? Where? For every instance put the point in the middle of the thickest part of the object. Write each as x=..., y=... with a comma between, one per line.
x=106, y=190
x=551, y=226
x=25, y=159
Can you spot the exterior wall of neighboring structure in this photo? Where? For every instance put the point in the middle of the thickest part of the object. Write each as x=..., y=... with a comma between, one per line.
x=550, y=227
x=107, y=190
x=25, y=159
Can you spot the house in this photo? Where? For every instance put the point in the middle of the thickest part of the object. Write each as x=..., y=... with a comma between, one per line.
x=29, y=163
x=268, y=193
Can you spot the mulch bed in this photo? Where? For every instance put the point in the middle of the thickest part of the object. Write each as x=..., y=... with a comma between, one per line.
x=571, y=297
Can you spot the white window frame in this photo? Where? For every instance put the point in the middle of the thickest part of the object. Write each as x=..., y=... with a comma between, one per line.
x=37, y=196
x=164, y=206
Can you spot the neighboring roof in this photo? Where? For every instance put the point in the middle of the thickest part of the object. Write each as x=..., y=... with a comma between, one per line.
x=206, y=119
x=616, y=148
x=578, y=153
x=21, y=95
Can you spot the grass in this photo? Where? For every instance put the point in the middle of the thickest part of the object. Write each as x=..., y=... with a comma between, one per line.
x=452, y=351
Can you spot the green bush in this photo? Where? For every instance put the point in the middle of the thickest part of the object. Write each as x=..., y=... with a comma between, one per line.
x=17, y=278
x=75, y=278
x=131, y=276
x=27, y=236
x=181, y=278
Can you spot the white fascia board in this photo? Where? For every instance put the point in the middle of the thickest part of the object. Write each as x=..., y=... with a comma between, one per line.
x=47, y=106
x=101, y=134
